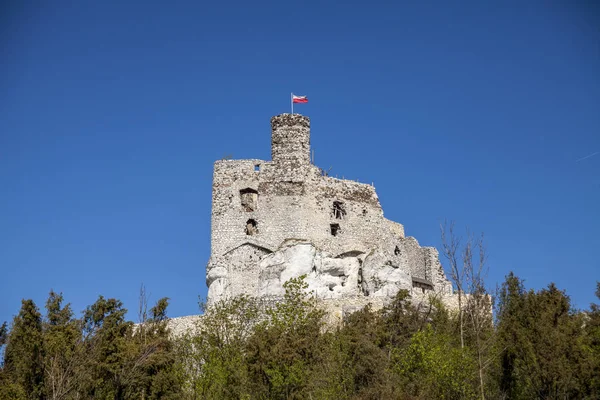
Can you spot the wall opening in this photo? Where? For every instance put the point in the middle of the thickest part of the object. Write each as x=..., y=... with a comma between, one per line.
x=397, y=251
x=338, y=210
x=251, y=227
x=257, y=168
x=335, y=229
x=249, y=199
x=422, y=284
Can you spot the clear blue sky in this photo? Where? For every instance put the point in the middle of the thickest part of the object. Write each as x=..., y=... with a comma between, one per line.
x=113, y=112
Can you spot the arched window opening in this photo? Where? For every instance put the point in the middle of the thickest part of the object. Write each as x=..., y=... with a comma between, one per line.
x=397, y=251
x=249, y=199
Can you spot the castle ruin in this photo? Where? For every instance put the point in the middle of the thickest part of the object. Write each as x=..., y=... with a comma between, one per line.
x=279, y=219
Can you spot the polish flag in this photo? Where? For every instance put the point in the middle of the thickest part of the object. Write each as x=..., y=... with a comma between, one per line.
x=299, y=99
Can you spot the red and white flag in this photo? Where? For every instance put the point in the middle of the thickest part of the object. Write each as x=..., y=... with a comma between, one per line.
x=299, y=99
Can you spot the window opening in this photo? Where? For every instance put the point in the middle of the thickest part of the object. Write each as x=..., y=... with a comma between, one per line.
x=397, y=251
x=251, y=228
x=338, y=210
x=249, y=199
x=257, y=167
x=335, y=229
x=422, y=284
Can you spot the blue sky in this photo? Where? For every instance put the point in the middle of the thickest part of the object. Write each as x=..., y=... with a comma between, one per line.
x=113, y=112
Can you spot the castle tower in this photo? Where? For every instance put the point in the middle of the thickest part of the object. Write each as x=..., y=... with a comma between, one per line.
x=290, y=140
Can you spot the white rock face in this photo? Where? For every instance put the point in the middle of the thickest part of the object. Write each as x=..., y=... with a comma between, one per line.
x=330, y=277
x=364, y=278
x=327, y=277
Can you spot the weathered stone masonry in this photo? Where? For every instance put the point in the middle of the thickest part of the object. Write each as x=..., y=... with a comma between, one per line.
x=274, y=220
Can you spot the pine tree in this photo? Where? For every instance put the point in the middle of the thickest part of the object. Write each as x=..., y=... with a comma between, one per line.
x=511, y=341
x=24, y=358
x=540, y=337
x=591, y=368
x=105, y=331
x=62, y=347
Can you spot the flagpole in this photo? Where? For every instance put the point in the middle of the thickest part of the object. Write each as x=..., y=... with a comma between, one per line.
x=292, y=102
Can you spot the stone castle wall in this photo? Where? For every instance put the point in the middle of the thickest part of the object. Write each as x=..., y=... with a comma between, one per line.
x=262, y=210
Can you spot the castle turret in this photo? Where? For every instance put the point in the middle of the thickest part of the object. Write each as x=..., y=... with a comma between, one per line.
x=290, y=139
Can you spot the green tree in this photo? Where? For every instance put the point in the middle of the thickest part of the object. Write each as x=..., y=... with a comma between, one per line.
x=435, y=367
x=540, y=340
x=363, y=339
x=62, y=348
x=511, y=335
x=3, y=340
x=212, y=358
x=151, y=359
x=590, y=367
x=24, y=358
x=3, y=334
x=105, y=331
x=9, y=390
x=285, y=345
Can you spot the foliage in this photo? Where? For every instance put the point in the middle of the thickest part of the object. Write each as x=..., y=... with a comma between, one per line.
x=213, y=360
x=99, y=356
x=538, y=346
x=544, y=344
x=284, y=347
x=432, y=366
x=24, y=354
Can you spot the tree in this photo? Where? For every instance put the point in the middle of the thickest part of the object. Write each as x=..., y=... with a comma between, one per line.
x=451, y=250
x=285, y=345
x=468, y=270
x=105, y=331
x=478, y=306
x=540, y=339
x=24, y=358
x=432, y=367
x=367, y=338
x=151, y=359
x=62, y=347
x=592, y=344
x=212, y=357
x=3, y=340
x=3, y=333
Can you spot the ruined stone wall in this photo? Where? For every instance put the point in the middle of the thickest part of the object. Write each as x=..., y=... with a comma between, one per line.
x=259, y=206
